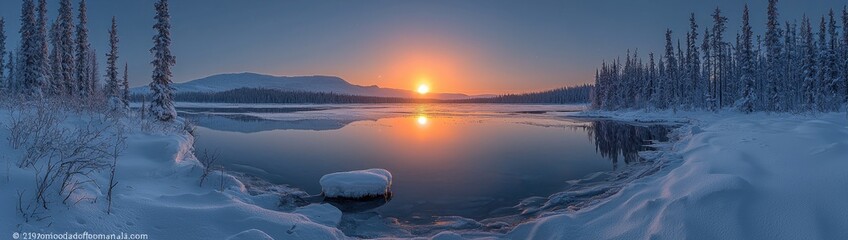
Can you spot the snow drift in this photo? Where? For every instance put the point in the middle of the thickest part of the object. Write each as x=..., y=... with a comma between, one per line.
x=158, y=194
x=729, y=176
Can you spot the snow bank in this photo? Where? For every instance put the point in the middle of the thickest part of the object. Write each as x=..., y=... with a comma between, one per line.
x=728, y=176
x=357, y=184
x=322, y=213
x=158, y=194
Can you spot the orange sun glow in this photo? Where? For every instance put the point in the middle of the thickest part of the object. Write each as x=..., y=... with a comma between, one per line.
x=423, y=89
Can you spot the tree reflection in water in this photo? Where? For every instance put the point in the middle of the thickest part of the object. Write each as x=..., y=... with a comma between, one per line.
x=617, y=140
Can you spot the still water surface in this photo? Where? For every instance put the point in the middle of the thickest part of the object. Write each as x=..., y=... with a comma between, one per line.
x=470, y=161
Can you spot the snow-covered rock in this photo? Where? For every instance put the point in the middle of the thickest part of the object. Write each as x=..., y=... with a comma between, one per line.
x=357, y=184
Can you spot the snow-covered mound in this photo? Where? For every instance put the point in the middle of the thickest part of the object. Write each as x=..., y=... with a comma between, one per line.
x=357, y=184
x=322, y=213
x=158, y=194
x=728, y=176
x=231, y=81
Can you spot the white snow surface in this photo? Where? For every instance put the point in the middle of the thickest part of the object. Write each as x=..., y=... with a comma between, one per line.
x=727, y=176
x=322, y=213
x=158, y=194
x=357, y=184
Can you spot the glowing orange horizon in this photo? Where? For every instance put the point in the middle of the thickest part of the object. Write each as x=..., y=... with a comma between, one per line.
x=445, y=63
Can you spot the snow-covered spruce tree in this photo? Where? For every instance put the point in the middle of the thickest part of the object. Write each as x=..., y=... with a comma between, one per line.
x=737, y=69
x=611, y=82
x=82, y=54
x=596, y=92
x=625, y=96
x=706, y=70
x=719, y=57
x=617, y=82
x=112, y=89
x=94, y=83
x=792, y=67
x=637, y=81
x=609, y=86
x=64, y=47
x=760, y=62
x=696, y=93
x=774, y=62
x=823, y=70
x=44, y=75
x=601, y=87
x=611, y=76
x=670, y=95
x=681, y=85
x=29, y=62
x=11, y=79
x=835, y=84
x=746, y=103
x=809, y=65
x=56, y=85
x=626, y=74
x=650, y=81
x=2, y=55
x=125, y=87
x=661, y=80
x=844, y=56
x=732, y=76
x=162, y=106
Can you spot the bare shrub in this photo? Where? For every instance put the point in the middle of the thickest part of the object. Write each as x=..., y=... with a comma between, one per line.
x=29, y=121
x=117, y=149
x=208, y=160
x=63, y=157
x=189, y=127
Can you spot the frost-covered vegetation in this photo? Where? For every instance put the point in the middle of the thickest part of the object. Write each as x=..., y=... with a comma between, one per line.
x=65, y=148
x=787, y=70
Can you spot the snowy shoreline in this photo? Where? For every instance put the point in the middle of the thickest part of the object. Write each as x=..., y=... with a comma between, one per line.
x=723, y=175
x=730, y=176
x=158, y=195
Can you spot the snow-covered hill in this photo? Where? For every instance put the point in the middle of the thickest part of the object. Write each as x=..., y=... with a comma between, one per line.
x=230, y=81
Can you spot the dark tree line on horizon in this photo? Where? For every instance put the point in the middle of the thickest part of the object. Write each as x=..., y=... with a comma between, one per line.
x=795, y=67
x=574, y=94
x=577, y=94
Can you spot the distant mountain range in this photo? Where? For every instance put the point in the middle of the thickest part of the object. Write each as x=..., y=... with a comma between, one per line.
x=327, y=84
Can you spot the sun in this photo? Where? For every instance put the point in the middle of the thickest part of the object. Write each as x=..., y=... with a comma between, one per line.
x=423, y=89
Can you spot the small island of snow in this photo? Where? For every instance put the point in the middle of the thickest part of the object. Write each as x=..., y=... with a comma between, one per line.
x=357, y=184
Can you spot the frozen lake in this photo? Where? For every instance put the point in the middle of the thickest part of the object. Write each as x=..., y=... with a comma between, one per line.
x=474, y=161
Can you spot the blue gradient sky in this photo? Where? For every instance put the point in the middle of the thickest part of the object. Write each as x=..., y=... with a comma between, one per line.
x=485, y=46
